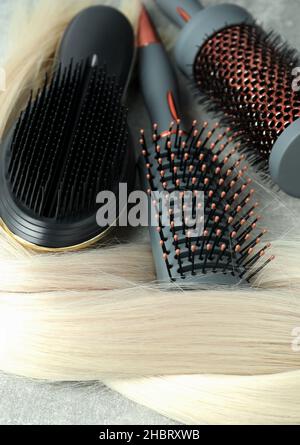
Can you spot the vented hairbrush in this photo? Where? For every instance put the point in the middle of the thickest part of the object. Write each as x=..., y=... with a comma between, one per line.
x=247, y=74
x=228, y=249
x=72, y=140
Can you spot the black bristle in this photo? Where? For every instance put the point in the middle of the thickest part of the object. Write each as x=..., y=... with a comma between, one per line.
x=228, y=242
x=69, y=143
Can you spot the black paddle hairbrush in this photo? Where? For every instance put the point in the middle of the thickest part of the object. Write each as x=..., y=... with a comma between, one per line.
x=72, y=140
x=201, y=161
x=247, y=74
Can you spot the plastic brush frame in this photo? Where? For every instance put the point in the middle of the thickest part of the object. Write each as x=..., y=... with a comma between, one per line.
x=195, y=160
x=97, y=49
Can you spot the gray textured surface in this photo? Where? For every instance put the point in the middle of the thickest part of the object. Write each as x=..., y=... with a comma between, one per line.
x=26, y=402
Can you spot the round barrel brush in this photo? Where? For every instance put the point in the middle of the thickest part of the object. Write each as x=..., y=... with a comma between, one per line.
x=247, y=74
x=72, y=140
x=226, y=249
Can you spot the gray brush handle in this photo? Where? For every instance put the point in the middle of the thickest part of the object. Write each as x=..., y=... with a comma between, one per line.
x=159, y=85
x=179, y=10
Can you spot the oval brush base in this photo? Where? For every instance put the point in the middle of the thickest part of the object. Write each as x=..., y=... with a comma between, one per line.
x=72, y=140
x=49, y=234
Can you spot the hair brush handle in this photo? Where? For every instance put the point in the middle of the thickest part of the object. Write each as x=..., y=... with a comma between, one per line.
x=180, y=11
x=158, y=82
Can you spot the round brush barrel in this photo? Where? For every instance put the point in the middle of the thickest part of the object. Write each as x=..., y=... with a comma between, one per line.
x=247, y=73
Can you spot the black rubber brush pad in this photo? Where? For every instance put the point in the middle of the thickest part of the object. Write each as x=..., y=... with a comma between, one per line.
x=101, y=31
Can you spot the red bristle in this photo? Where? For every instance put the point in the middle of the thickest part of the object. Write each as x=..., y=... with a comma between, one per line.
x=180, y=161
x=253, y=88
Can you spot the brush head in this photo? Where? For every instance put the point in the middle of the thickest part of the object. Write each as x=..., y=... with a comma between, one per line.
x=70, y=143
x=247, y=74
x=202, y=161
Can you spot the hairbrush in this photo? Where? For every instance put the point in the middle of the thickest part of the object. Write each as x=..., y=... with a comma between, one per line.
x=228, y=249
x=248, y=75
x=72, y=140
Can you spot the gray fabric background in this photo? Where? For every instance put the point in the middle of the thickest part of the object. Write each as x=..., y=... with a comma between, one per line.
x=27, y=402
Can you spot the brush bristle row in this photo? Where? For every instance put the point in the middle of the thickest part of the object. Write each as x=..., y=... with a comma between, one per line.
x=205, y=160
x=69, y=143
x=247, y=74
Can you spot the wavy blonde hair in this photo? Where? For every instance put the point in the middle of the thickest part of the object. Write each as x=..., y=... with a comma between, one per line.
x=209, y=356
